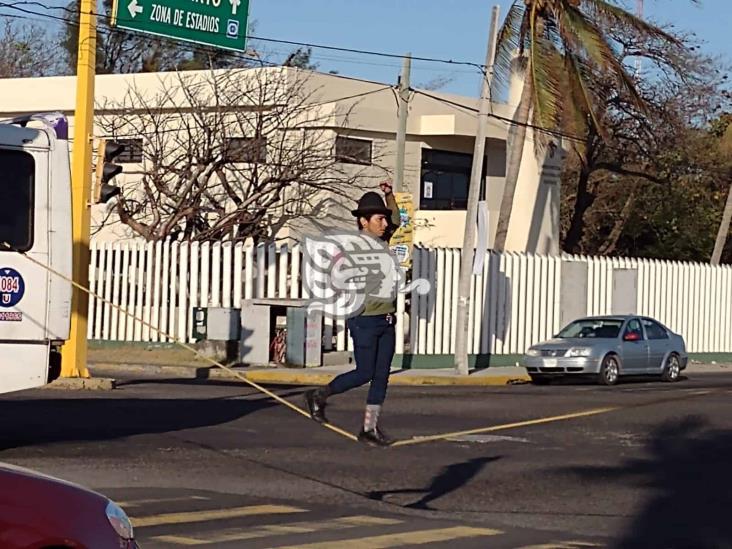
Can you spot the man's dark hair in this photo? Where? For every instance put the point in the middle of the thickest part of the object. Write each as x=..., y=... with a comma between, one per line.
x=367, y=217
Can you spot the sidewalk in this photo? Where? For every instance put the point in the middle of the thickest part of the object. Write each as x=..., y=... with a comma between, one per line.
x=310, y=376
x=499, y=375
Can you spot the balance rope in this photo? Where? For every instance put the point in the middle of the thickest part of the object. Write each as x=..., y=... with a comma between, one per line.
x=182, y=344
x=288, y=404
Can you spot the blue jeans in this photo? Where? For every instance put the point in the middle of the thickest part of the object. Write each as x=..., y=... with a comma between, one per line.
x=374, y=339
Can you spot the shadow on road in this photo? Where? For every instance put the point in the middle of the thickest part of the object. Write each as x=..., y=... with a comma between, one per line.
x=35, y=422
x=689, y=469
x=451, y=478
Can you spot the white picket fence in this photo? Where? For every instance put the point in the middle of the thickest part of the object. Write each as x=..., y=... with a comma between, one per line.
x=515, y=301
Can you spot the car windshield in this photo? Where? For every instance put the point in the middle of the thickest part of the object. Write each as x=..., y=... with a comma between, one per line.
x=593, y=327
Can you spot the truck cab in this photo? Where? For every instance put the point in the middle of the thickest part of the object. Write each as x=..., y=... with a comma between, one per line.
x=35, y=244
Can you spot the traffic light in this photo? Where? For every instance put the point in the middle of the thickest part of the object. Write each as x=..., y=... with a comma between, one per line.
x=106, y=169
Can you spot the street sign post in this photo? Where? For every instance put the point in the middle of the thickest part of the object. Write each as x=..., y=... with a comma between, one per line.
x=218, y=23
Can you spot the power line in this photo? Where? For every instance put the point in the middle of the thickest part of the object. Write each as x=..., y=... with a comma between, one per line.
x=481, y=68
x=473, y=110
x=251, y=60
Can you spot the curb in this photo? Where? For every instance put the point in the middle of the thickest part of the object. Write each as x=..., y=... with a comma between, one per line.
x=275, y=376
x=83, y=384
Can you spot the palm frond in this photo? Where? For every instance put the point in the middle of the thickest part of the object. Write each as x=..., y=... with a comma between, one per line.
x=582, y=38
x=546, y=68
x=614, y=15
x=507, y=43
x=582, y=108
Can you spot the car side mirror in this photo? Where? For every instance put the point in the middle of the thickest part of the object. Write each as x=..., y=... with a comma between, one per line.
x=631, y=336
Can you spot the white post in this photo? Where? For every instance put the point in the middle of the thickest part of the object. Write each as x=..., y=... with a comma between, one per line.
x=92, y=320
x=183, y=292
x=226, y=275
x=463, y=327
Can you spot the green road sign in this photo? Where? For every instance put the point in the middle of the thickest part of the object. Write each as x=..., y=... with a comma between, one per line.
x=219, y=23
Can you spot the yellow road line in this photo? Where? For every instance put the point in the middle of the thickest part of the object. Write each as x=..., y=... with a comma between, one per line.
x=416, y=537
x=213, y=514
x=561, y=545
x=504, y=426
x=267, y=530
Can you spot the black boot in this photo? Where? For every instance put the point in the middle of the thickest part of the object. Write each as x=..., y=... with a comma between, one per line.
x=315, y=402
x=375, y=437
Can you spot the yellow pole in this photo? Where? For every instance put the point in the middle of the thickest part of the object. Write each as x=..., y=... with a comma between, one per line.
x=74, y=352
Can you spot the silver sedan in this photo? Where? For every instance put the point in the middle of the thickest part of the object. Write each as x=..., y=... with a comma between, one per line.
x=608, y=347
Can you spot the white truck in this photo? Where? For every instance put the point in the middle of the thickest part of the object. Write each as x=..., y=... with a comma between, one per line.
x=35, y=222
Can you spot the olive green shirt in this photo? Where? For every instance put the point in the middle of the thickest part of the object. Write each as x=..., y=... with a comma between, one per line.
x=373, y=305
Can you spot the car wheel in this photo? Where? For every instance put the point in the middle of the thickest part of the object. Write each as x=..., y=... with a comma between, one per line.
x=540, y=380
x=609, y=371
x=672, y=368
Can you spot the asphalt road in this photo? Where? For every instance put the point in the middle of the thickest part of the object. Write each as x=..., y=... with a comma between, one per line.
x=220, y=465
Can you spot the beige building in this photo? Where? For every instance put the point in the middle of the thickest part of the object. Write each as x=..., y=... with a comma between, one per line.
x=359, y=117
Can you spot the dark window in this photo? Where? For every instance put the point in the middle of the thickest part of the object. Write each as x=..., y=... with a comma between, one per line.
x=445, y=180
x=132, y=153
x=654, y=330
x=592, y=327
x=634, y=327
x=17, y=186
x=252, y=150
x=353, y=151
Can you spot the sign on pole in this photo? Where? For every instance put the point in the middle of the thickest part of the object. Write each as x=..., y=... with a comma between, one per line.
x=402, y=240
x=218, y=23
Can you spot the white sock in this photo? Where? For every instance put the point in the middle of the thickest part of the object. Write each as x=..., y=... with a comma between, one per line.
x=371, y=417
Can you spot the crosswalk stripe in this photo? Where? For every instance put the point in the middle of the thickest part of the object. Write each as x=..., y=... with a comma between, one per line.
x=213, y=514
x=416, y=537
x=264, y=531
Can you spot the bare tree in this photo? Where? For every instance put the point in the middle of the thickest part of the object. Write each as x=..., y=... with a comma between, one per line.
x=25, y=51
x=659, y=145
x=233, y=154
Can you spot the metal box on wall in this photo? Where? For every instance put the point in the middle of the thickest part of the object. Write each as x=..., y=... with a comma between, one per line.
x=216, y=323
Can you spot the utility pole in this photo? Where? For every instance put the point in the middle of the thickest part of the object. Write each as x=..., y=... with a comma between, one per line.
x=74, y=352
x=476, y=173
x=723, y=230
x=403, y=113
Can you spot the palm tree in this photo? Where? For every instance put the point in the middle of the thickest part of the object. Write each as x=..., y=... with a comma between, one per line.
x=559, y=47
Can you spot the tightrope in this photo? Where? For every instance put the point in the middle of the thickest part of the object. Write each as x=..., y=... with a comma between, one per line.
x=177, y=341
x=287, y=403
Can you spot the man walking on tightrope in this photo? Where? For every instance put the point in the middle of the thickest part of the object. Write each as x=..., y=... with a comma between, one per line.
x=372, y=330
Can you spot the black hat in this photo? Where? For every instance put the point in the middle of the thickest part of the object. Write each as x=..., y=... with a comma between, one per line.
x=371, y=203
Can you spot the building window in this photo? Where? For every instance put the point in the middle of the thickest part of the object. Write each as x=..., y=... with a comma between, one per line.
x=132, y=153
x=353, y=151
x=16, y=209
x=252, y=150
x=445, y=180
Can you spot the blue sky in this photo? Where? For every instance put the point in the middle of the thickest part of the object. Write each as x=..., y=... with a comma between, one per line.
x=452, y=29
x=449, y=29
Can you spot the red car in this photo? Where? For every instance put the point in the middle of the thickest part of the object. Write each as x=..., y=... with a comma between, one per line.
x=42, y=512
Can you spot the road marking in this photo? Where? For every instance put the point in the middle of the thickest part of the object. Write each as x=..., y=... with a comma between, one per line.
x=416, y=537
x=139, y=502
x=551, y=419
x=267, y=530
x=213, y=514
x=418, y=440
x=484, y=439
x=561, y=545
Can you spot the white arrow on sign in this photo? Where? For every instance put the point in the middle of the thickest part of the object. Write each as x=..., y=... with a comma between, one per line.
x=134, y=8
